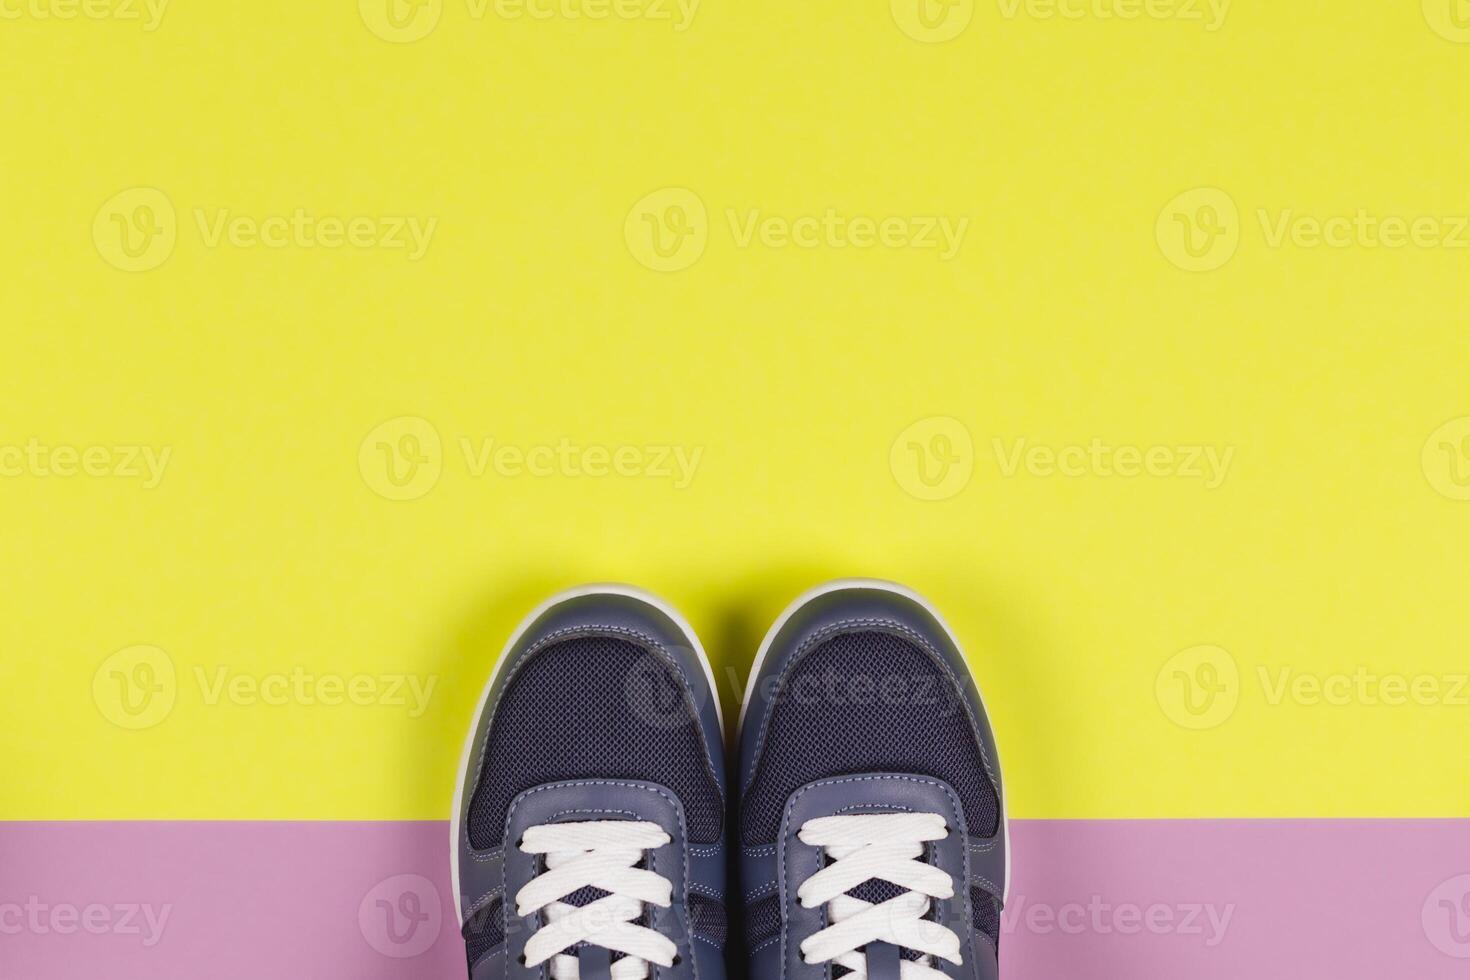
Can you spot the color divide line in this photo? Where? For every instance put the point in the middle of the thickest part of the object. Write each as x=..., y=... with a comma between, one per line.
x=1094, y=900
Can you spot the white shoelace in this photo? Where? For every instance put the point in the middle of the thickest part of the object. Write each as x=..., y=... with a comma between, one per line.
x=887, y=846
x=601, y=854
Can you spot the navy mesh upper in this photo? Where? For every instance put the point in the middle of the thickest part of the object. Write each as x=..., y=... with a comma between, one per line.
x=483, y=931
x=864, y=702
x=985, y=910
x=707, y=918
x=762, y=920
x=594, y=707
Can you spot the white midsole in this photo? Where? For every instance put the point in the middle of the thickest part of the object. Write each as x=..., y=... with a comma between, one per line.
x=626, y=591
x=879, y=585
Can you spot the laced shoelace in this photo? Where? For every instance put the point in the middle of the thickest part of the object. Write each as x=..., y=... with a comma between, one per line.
x=600, y=854
x=889, y=847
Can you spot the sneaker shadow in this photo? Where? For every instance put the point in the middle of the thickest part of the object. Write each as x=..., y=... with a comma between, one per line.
x=997, y=627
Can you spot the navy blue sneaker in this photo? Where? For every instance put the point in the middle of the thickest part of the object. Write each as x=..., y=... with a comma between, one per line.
x=872, y=822
x=589, y=819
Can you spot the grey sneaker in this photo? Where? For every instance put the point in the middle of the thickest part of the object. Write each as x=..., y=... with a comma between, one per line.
x=872, y=820
x=589, y=819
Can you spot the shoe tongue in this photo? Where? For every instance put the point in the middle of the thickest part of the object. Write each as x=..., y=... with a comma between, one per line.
x=595, y=963
x=883, y=961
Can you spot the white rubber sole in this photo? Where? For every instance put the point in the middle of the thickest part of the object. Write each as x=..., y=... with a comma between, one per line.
x=879, y=585
x=626, y=591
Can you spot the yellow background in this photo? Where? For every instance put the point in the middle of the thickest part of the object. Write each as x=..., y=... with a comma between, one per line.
x=529, y=321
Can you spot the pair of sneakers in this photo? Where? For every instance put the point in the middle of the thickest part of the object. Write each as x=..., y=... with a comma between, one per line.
x=593, y=820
